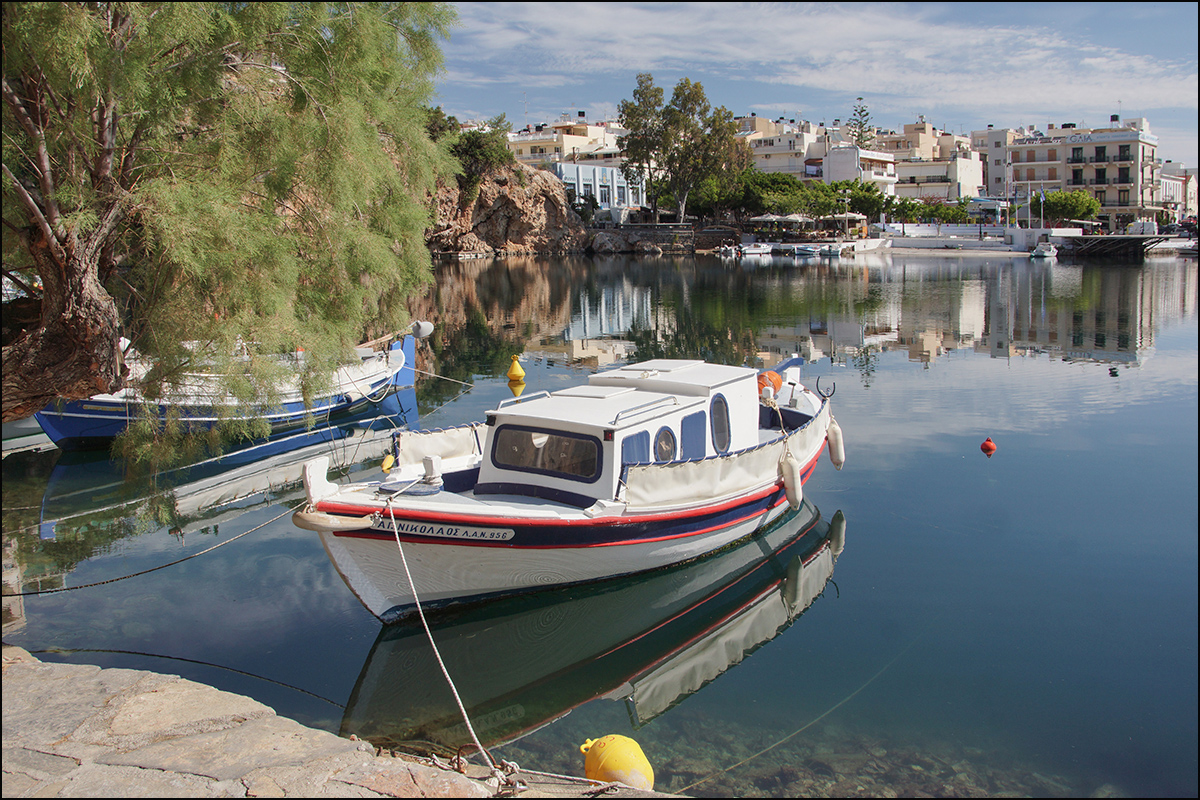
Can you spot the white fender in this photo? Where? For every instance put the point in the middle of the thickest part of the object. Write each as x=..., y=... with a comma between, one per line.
x=321, y=522
x=789, y=465
x=837, y=533
x=837, y=448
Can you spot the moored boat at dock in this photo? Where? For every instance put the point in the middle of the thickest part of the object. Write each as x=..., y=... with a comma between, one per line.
x=645, y=466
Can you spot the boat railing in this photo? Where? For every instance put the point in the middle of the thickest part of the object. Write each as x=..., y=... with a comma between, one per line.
x=641, y=407
x=514, y=400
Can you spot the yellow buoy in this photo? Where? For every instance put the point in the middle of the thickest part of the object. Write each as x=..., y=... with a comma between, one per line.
x=388, y=461
x=515, y=373
x=617, y=758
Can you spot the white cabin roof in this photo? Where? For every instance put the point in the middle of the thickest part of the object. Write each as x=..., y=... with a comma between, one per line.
x=627, y=396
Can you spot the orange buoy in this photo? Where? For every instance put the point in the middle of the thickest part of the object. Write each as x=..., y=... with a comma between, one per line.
x=770, y=378
x=988, y=447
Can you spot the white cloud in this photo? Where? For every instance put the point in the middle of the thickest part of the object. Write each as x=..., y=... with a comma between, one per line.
x=778, y=55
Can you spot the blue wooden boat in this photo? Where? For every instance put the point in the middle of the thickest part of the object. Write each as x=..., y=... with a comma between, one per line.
x=199, y=403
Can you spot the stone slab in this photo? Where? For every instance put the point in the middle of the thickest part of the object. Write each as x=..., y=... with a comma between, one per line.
x=231, y=753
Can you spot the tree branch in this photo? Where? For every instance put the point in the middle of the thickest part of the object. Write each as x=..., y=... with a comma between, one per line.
x=46, y=177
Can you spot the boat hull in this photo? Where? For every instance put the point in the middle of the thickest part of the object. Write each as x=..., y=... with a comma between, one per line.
x=93, y=423
x=457, y=559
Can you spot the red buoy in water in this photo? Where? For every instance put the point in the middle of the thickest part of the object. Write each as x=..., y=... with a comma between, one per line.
x=988, y=447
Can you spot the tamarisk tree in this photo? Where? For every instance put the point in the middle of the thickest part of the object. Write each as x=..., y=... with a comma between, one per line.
x=215, y=174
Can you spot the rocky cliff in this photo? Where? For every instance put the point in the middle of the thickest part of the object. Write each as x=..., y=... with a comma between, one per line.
x=518, y=209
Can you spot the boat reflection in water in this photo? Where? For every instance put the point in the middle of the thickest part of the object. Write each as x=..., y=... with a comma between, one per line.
x=87, y=494
x=522, y=662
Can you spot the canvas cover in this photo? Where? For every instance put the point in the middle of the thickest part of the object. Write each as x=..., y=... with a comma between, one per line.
x=448, y=443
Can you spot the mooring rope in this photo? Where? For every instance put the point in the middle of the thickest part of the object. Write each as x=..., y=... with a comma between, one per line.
x=494, y=765
x=152, y=569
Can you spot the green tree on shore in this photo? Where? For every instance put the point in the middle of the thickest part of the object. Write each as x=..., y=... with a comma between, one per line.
x=213, y=173
x=1065, y=205
x=683, y=142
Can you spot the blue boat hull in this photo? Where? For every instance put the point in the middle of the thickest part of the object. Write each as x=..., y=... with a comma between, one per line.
x=93, y=424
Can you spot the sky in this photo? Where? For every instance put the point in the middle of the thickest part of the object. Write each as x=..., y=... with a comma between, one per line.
x=962, y=66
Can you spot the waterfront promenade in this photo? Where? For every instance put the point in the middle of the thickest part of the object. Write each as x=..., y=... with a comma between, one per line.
x=74, y=730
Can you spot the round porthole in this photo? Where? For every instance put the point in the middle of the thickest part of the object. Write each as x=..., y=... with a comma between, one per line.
x=720, y=423
x=664, y=445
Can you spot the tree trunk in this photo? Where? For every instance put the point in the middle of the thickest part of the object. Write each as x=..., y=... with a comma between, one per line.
x=75, y=352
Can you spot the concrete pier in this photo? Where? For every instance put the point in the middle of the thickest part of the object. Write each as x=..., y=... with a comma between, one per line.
x=81, y=731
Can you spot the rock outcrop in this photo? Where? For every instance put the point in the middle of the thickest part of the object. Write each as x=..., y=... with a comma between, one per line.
x=518, y=209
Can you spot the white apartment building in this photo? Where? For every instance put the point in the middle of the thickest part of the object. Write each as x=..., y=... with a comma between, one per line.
x=567, y=140
x=847, y=162
x=794, y=148
x=1179, y=192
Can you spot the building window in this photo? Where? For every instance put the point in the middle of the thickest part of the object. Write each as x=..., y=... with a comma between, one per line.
x=1123, y=197
x=1101, y=154
x=1052, y=174
x=997, y=162
x=1101, y=176
x=605, y=195
x=1052, y=154
x=588, y=191
x=620, y=195
x=1029, y=174
x=1030, y=155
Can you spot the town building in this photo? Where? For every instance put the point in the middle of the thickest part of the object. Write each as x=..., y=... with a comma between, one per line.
x=847, y=162
x=567, y=140
x=1179, y=190
x=605, y=183
x=1117, y=164
x=933, y=163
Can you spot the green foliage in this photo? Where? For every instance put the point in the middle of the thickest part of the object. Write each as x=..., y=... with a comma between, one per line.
x=585, y=207
x=260, y=176
x=685, y=141
x=438, y=125
x=862, y=133
x=479, y=151
x=1065, y=205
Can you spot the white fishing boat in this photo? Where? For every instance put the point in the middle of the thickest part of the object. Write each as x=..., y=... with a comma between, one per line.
x=832, y=250
x=755, y=249
x=794, y=250
x=645, y=466
x=1044, y=250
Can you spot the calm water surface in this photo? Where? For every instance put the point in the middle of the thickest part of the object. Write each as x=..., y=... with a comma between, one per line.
x=1025, y=623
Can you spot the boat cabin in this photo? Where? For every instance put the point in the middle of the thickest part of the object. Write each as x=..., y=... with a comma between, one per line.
x=571, y=445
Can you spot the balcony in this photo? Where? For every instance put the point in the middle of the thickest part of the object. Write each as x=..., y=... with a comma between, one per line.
x=1099, y=159
x=1123, y=157
x=1077, y=160
x=1077, y=182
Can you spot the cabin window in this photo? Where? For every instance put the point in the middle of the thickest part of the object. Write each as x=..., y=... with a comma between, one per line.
x=692, y=433
x=557, y=453
x=720, y=423
x=635, y=449
x=664, y=445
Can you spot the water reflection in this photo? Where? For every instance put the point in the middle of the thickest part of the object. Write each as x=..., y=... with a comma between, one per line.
x=90, y=505
x=648, y=641
x=846, y=311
